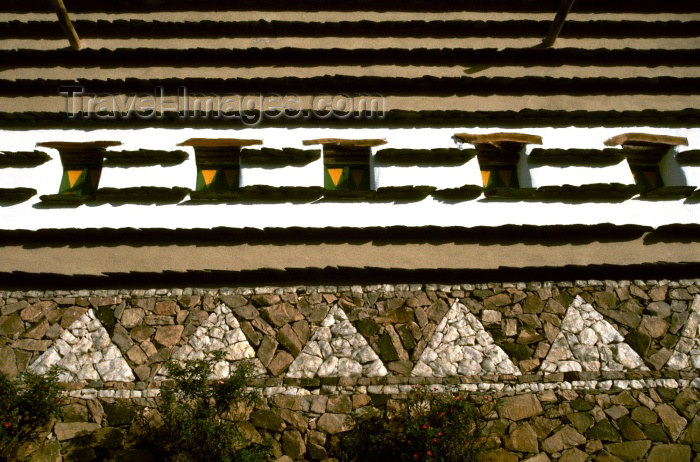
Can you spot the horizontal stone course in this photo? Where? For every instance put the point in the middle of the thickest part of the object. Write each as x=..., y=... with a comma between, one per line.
x=628, y=424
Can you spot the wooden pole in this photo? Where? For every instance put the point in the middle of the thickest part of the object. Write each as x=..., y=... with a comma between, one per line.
x=65, y=23
x=558, y=23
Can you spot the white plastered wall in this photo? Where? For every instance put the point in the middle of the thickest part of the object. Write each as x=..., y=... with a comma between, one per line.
x=479, y=212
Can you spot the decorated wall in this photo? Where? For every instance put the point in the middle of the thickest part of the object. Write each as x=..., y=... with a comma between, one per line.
x=561, y=371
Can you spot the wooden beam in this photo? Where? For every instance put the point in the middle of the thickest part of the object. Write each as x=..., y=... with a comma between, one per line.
x=495, y=138
x=344, y=142
x=66, y=24
x=75, y=146
x=646, y=140
x=558, y=23
x=219, y=142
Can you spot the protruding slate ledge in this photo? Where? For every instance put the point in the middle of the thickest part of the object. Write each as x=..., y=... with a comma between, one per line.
x=517, y=28
x=599, y=192
x=668, y=193
x=219, y=142
x=581, y=157
x=401, y=194
x=258, y=194
x=463, y=193
x=23, y=159
x=440, y=156
x=62, y=200
x=499, y=141
x=510, y=194
x=691, y=157
x=367, y=143
x=143, y=158
x=646, y=140
x=115, y=196
x=12, y=196
x=141, y=195
x=284, y=156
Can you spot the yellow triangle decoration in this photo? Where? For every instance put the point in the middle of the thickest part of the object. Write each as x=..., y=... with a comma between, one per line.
x=485, y=175
x=208, y=176
x=73, y=176
x=505, y=176
x=357, y=175
x=335, y=174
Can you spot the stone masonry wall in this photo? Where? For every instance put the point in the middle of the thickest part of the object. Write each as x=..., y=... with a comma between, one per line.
x=571, y=371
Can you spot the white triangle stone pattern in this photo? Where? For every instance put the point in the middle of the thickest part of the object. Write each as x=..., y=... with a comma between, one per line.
x=587, y=342
x=461, y=346
x=85, y=352
x=336, y=349
x=687, y=351
x=220, y=331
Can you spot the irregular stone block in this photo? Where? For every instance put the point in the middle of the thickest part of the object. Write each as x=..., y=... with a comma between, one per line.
x=335, y=423
x=168, y=335
x=669, y=452
x=69, y=430
x=268, y=419
x=629, y=450
x=519, y=407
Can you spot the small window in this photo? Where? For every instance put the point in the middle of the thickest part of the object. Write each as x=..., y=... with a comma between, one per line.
x=218, y=169
x=498, y=155
x=218, y=164
x=644, y=151
x=346, y=168
x=82, y=166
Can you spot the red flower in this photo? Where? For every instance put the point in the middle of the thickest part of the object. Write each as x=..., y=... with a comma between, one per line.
x=416, y=456
x=440, y=433
x=458, y=398
x=6, y=424
x=429, y=452
x=435, y=440
x=425, y=426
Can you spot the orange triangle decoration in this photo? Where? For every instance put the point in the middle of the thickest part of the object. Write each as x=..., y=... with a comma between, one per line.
x=650, y=176
x=357, y=174
x=485, y=175
x=505, y=176
x=208, y=176
x=335, y=174
x=231, y=178
x=73, y=176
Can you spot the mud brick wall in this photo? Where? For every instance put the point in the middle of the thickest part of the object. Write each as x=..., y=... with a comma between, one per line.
x=561, y=371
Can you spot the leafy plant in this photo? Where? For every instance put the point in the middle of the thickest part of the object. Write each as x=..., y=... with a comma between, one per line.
x=196, y=413
x=441, y=427
x=430, y=426
x=26, y=404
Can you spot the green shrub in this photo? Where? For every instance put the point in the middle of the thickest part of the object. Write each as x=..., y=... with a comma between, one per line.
x=430, y=426
x=195, y=412
x=26, y=404
x=441, y=427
